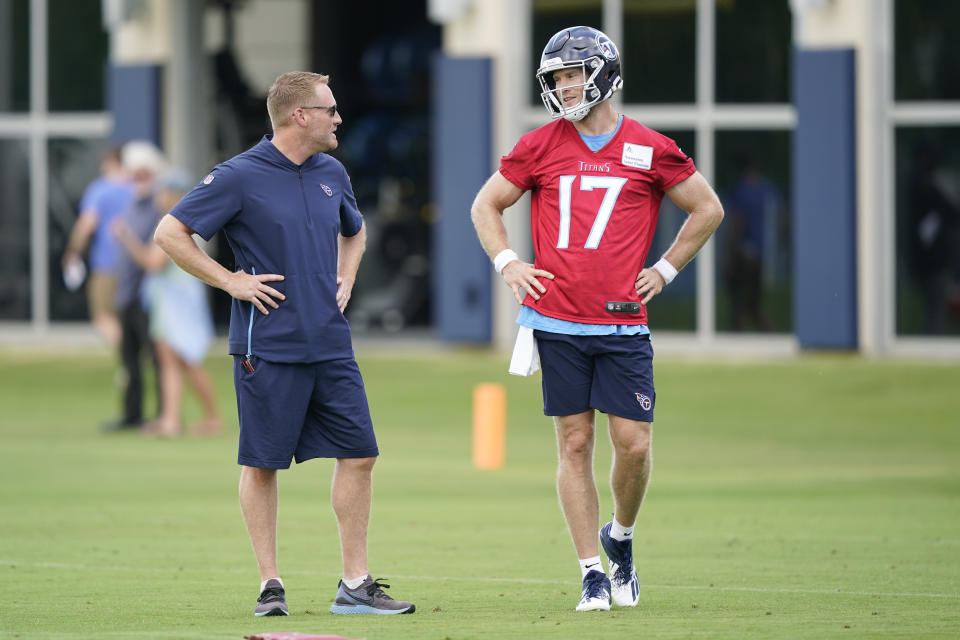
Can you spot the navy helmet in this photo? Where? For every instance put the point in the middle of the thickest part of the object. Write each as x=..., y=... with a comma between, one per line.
x=582, y=48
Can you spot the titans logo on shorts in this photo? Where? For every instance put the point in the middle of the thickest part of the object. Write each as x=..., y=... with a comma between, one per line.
x=612, y=373
x=301, y=411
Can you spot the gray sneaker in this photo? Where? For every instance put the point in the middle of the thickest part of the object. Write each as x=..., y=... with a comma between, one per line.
x=272, y=600
x=368, y=598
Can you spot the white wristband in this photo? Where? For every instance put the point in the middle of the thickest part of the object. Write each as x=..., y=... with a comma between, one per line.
x=666, y=270
x=504, y=258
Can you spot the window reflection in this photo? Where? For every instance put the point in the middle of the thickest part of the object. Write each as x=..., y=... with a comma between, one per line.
x=14, y=231
x=927, y=56
x=73, y=165
x=77, y=54
x=659, y=51
x=14, y=55
x=675, y=309
x=928, y=231
x=753, y=51
x=753, y=272
x=550, y=16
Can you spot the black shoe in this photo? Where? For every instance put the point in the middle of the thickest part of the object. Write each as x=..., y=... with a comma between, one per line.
x=272, y=600
x=108, y=426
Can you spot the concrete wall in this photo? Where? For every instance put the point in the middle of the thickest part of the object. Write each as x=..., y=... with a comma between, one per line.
x=861, y=26
x=270, y=37
x=497, y=29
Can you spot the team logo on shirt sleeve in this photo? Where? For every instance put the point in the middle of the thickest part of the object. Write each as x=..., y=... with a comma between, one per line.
x=327, y=190
x=208, y=179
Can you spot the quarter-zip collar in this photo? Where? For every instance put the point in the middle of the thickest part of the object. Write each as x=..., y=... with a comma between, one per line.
x=266, y=150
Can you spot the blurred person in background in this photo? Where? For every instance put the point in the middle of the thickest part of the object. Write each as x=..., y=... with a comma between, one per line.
x=934, y=238
x=181, y=326
x=754, y=207
x=597, y=180
x=103, y=200
x=144, y=162
x=289, y=213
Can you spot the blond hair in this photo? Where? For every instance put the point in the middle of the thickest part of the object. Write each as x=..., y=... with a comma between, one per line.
x=289, y=91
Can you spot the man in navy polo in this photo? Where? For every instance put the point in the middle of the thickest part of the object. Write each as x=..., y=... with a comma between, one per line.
x=290, y=216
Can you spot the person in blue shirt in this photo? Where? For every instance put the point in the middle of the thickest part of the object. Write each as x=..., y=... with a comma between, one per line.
x=756, y=209
x=103, y=200
x=290, y=216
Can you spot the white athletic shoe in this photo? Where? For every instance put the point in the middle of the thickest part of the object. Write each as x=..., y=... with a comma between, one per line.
x=596, y=592
x=624, y=584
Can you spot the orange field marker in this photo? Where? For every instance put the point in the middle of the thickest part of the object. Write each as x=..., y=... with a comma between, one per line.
x=489, y=425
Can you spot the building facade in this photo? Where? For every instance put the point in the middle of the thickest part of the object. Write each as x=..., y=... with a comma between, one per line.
x=830, y=128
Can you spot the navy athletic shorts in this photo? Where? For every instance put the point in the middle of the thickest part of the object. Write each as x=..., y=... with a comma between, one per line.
x=301, y=411
x=613, y=374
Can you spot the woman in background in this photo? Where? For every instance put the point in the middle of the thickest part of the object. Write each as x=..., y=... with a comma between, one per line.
x=180, y=322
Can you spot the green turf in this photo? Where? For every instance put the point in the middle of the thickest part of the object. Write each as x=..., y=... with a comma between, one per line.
x=810, y=498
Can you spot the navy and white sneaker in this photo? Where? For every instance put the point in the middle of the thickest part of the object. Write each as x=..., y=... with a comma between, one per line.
x=368, y=597
x=624, y=584
x=596, y=592
x=272, y=600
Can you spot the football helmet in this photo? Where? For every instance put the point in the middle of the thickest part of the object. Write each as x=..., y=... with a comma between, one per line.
x=589, y=50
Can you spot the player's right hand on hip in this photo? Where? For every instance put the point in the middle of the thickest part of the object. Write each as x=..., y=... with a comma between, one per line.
x=253, y=289
x=523, y=277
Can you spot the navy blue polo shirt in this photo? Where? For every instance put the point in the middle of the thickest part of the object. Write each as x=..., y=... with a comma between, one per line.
x=281, y=218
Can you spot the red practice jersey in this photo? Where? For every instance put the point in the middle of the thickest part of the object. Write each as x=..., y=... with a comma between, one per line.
x=593, y=215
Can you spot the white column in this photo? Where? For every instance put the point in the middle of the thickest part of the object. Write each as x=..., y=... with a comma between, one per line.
x=706, y=286
x=498, y=29
x=876, y=218
x=185, y=89
x=862, y=25
x=613, y=27
x=39, y=183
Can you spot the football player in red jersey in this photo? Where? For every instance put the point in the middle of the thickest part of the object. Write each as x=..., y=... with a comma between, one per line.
x=597, y=179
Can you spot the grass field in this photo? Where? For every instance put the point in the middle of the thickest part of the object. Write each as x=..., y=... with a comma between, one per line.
x=810, y=498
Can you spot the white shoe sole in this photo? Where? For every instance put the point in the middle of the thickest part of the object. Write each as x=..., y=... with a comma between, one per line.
x=595, y=604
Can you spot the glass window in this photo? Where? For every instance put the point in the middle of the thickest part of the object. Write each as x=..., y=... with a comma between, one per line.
x=658, y=51
x=550, y=16
x=77, y=54
x=14, y=231
x=928, y=230
x=753, y=51
x=74, y=164
x=927, y=50
x=675, y=309
x=753, y=265
x=14, y=55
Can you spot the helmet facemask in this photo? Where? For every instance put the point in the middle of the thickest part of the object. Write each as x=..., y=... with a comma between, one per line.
x=591, y=52
x=552, y=98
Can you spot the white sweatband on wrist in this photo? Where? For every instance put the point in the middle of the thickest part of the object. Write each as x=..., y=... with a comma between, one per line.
x=666, y=270
x=504, y=258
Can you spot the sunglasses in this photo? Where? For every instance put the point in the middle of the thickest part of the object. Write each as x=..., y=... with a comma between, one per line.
x=331, y=111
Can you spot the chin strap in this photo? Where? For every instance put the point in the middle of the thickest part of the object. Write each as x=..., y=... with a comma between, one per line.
x=578, y=114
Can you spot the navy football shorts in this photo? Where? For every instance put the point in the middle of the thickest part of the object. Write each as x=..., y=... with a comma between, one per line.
x=301, y=411
x=613, y=374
